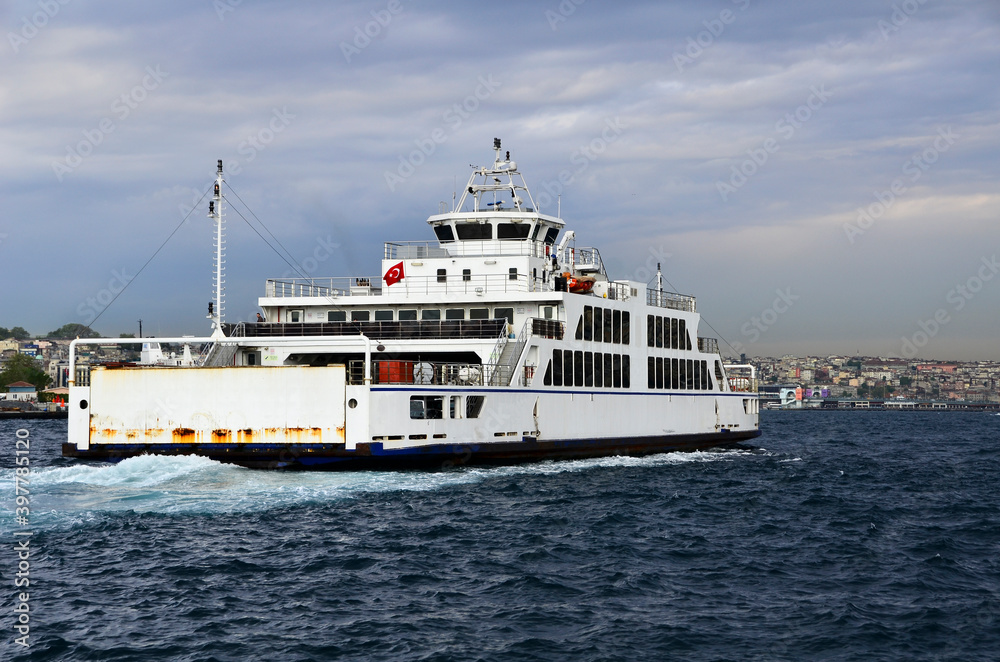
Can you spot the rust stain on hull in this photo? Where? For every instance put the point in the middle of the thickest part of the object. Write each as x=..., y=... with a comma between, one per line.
x=183, y=435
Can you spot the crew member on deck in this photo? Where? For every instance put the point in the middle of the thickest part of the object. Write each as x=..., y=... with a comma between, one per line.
x=260, y=319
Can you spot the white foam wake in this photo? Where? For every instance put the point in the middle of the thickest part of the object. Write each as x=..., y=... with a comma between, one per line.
x=194, y=485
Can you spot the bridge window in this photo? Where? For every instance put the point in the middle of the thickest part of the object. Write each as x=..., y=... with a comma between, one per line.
x=550, y=235
x=513, y=230
x=444, y=233
x=474, y=231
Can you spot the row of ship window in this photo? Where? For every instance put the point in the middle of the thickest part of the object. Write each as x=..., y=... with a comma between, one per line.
x=425, y=314
x=604, y=325
x=597, y=369
x=442, y=274
x=475, y=230
x=678, y=374
x=667, y=332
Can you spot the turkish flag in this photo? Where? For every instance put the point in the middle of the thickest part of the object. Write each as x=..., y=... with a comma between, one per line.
x=394, y=274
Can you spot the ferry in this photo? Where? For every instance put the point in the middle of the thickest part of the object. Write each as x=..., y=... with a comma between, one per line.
x=499, y=341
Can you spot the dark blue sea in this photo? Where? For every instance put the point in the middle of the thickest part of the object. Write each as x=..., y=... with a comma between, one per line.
x=837, y=536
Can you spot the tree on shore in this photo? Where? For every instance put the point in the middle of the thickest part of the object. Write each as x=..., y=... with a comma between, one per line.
x=17, y=333
x=74, y=331
x=23, y=368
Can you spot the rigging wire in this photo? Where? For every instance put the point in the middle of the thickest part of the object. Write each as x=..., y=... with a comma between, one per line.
x=331, y=300
x=287, y=252
x=294, y=266
x=735, y=351
x=169, y=237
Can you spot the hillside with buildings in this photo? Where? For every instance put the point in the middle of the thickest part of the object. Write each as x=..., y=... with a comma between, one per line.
x=884, y=378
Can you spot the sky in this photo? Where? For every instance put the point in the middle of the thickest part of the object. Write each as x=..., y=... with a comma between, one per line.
x=822, y=176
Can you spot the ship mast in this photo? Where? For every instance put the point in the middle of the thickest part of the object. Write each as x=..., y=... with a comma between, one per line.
x=216, y=313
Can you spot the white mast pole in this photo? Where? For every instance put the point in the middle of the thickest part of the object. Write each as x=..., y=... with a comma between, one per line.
x=215, y=212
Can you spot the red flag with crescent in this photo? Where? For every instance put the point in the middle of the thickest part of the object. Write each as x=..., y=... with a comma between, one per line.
x=394, y=274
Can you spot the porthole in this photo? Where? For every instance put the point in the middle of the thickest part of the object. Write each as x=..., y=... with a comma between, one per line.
x=84, y=404
x=352, y=403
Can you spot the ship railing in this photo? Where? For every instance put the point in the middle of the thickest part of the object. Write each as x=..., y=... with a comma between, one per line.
x=670, y=300
x=415, y=250
x=742, y=378
x=496, y=356
x=465, y=284
x=330, y=288
x=621, y=291
x=546, y=328
x=708, y=345
x=395, y=330
x=335, y=288
x=431, y=373
x=588, y=259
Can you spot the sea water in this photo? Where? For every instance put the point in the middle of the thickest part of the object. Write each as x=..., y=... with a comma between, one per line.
x=835, y=536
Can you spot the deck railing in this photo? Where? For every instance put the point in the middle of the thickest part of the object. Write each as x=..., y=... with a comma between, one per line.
x=708, y=345
x=431, y=373
x=397, y=330
x=416, y=250
x=323, y=287
x=670, y=300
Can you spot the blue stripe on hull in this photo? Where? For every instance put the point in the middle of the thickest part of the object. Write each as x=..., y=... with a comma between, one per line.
x=374, y=456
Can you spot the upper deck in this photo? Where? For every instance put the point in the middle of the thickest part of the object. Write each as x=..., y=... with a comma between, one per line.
x=493, y=244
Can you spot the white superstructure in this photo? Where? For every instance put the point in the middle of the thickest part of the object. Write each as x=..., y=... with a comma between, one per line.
x=501, y=340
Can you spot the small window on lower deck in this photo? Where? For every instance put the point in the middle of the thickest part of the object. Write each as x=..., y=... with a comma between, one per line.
x=360, y=315
x=454, y=314
x=336, y=316
x=426, y=406
x=407, y=315
x=479, y=313
x=295, y=316
x=474, y=405
x=430, y=314
x=383, y=315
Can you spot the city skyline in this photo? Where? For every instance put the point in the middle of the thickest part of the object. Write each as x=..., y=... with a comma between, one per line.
x=823, y=178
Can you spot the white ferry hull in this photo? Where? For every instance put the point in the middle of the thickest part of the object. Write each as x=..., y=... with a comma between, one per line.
x=303, y=418
x=501, y=341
